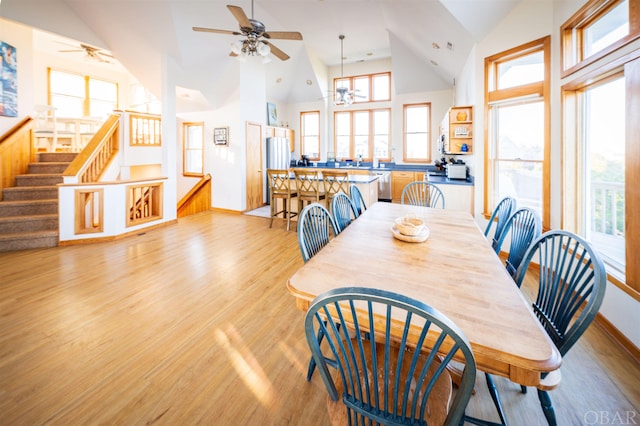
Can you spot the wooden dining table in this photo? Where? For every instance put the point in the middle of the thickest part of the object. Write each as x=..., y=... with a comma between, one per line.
x=454, y=271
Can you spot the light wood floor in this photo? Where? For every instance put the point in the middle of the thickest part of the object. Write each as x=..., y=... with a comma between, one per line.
x=192, y=324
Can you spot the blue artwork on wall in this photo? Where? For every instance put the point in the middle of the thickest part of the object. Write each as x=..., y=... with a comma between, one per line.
x=8, y=81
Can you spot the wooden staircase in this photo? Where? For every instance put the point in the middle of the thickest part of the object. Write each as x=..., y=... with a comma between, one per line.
x=29, y=210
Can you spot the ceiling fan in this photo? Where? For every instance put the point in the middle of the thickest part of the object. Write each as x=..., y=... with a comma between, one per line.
x=93, y=53
x=344, y=96
x=256, y=42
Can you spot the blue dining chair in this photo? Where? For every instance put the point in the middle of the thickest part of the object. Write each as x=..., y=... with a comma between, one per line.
x=315, y=226
x=388, y=371
x=523, y=226
x=421, y=193
x=500, y=214
x=571, y=285
x=356, y=197
x=343, y=210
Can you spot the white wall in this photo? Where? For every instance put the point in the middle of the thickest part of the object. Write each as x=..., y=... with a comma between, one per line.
x=20, y=37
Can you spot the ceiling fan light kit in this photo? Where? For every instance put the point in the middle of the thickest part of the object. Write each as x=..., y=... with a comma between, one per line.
x=256, y=42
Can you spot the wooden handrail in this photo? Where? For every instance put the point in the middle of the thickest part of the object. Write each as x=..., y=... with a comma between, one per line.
x=89, y=164
x=16, y=128
x=198, y=199
x=16, y=152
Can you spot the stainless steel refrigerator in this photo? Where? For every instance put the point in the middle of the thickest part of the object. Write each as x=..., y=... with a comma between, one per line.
x=278, y=157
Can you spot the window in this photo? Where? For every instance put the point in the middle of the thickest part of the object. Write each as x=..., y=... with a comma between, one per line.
x=517, y=138
x=417, y=131
x=193, y=149
x=364, y=132
x=75, y=95
x=597, y=29
x=600, y=142
x=310, y=134
x=368, y=88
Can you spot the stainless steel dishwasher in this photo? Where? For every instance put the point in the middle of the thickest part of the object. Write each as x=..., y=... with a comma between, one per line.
x=384, y=184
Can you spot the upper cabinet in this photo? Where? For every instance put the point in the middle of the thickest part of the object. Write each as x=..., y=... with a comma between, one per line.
x=282, y=132
x=457, y=130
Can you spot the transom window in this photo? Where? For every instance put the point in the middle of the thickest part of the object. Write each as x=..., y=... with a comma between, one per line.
x=365, y=133
x=367, y=88
x=76, y=95
x=598, y=28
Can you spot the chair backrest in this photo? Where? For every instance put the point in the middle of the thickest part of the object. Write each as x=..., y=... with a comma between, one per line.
x=308, y=184
x=314, y=226
x=570, y=288
x=343, y=210
x=335, y=181
x=381, y=376
x=356, y=197
x=421, y=193
x=279, y=182
x=525, y=226
x=500, y=214
x=45, y=118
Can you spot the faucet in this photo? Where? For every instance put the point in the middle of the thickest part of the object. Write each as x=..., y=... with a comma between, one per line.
x=359, y=160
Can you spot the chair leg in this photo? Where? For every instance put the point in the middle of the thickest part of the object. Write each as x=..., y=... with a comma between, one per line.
x=547, y=407
x=496, y=401
x=312, y=362
x=496, y=397
x=273, y=209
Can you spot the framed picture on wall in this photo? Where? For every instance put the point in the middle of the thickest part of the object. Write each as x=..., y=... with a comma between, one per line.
x=272, y=114
x=221, y=136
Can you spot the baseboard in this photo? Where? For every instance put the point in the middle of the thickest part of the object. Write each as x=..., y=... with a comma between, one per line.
x=619, y=338
x=115, y=237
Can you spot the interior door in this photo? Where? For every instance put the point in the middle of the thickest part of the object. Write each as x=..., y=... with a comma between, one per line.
x=255, y=180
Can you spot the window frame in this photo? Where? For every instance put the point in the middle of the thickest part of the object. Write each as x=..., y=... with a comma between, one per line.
x=350, y=83
x=429, y=132
x=87, y=99
x=573, y=171
x=186, y=148
x=371, y=136
x=540, y=89
x=572, y=34
x=303, y=135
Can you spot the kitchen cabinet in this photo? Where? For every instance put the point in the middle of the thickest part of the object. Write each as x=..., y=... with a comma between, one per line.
x=457, y=197
x=400, y=179
x=281, y=132
x=457, y=130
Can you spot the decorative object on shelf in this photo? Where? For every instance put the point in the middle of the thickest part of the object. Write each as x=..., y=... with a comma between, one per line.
x=464, y=147
x=221, y=136
x=256, y=42
x=461, y=116
x=461, y=131
x=272, y=114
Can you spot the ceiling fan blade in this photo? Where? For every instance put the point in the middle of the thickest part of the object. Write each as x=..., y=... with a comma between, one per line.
x=283, y=35
x=277, y=52
x=240, y=16
x=74, y=50
x=212, y=30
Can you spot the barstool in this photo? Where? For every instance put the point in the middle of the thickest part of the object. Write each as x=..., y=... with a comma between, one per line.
x=334, y=182
x=280, y=188
x=308, y=187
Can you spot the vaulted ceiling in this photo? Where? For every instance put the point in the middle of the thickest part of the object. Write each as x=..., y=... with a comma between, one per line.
x=146, y=34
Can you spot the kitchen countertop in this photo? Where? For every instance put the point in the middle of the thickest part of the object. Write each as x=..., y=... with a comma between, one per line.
x=390, y=167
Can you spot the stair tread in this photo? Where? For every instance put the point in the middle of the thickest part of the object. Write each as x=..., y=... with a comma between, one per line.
x=24, y=235
x=42, y=201
x=28, y=217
